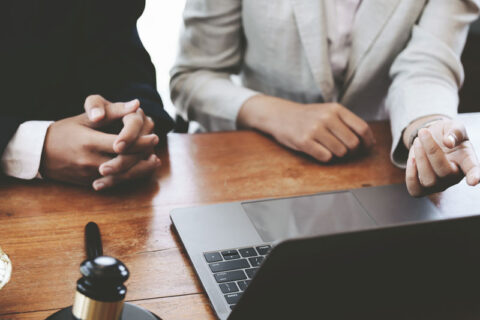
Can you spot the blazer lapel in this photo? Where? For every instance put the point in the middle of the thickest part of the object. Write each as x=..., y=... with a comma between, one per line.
x=312, y=26
x=370, y=20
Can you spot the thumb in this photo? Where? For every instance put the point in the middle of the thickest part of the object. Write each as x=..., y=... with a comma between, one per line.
x=116, y=111
x=455, y=134
x=95, y=108
x=101, y=114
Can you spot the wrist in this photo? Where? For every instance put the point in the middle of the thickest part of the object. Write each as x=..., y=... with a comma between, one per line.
x=411, y=132
x=259, y=113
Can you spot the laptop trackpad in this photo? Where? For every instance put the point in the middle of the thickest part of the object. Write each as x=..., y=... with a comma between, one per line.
x=314, y=215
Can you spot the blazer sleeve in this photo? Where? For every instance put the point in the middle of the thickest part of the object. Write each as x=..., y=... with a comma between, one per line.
x=428, y=73
x=114, y=62
x=211, y=50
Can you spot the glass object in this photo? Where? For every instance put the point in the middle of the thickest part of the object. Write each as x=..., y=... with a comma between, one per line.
x=5, y=269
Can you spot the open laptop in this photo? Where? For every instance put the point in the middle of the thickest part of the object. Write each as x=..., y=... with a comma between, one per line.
x=327, y=252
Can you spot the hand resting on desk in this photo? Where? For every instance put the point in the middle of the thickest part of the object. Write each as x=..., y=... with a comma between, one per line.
x=321, y=130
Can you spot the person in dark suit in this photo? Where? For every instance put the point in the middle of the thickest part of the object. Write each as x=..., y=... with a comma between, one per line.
x=78, y=92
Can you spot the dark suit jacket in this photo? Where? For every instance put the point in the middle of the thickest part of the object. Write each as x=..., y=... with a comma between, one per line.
x=55, y=53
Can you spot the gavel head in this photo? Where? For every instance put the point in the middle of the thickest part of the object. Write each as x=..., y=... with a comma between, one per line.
x=101, y=291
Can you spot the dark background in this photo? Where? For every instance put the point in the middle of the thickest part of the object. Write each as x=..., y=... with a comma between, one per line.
x=470, y=93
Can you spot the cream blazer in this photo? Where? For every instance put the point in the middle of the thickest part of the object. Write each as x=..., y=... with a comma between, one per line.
x=404, y=62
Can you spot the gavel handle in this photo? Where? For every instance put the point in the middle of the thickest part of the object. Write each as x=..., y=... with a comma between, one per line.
x=93, y=241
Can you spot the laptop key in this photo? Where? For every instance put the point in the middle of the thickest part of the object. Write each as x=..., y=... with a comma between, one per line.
x=248, y=252
x=256, y=261
x=233, y=298
x=230, y=276
x=229, y=265
x=251, y=272
x=213, y=257
x=229, y=287
x=230, y=254
x=243, y=284
x=264, y=250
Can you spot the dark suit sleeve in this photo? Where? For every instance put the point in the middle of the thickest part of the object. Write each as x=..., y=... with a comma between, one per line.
x=114, y=62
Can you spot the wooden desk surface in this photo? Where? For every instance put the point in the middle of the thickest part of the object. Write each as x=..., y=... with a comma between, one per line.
x=41, y=223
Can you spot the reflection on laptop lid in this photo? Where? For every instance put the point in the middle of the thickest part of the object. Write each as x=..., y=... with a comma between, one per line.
x=420, y=271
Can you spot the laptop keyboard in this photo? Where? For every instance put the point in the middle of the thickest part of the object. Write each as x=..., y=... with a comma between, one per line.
x=233, y=269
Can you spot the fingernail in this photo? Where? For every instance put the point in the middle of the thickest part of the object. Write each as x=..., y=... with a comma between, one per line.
x=95, y=114
x=121, y=146
x=130, y=106
x=106, y=171
x=155, y=140
x=98, y=185
x=452, y=139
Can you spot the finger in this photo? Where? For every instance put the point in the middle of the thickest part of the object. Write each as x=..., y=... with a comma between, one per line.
x=454, y=134
x=436, y=156
x=317, y=151
x=120, y=163
x=114, y=111
x=148, y=126
x=133, y=125
x=411, y=176
x=473, y=176
x=143, y=144
x=344, y=134
x=103, y=142
x=330, y=142
x=95, y=107
x=358, y=125
x=426, y=175
x=469, y=164
x=140, y=170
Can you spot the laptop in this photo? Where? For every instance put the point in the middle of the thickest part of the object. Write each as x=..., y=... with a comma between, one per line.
x=364, y=253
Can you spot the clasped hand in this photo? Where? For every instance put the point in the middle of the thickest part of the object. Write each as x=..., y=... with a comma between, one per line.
x=76, y=150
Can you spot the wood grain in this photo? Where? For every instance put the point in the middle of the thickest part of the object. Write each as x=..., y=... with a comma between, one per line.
x=41, y=223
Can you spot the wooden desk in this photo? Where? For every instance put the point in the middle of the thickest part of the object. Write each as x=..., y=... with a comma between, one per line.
x=41, y=223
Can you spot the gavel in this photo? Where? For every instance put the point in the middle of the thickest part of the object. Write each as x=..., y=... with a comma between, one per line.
x=101, y=291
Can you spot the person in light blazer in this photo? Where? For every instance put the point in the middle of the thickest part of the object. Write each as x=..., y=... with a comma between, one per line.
x=313, y=72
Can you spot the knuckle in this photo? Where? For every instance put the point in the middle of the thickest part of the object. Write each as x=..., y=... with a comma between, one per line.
x=413, y=190
x=304, y=142
x=326, y=157
x=342, y=152
x=150, y=125
x=326, y=118
x=428, y=182
x=431, y=149
x=353, y=142
x=87, y=166
x=363, y=128
x=445, y=172
x=93, y=99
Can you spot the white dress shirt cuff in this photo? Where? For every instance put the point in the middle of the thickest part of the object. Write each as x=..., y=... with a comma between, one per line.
x=22, y=156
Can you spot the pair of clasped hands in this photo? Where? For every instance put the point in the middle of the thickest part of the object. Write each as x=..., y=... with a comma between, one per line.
x=77, y=150
x=439, y=157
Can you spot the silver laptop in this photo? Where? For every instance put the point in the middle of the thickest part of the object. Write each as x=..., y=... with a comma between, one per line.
x=227, y=243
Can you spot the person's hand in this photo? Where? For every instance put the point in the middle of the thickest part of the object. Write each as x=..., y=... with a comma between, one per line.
x=125, y=166
x=323, y=130
x=75, y=148
x=440, y=157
